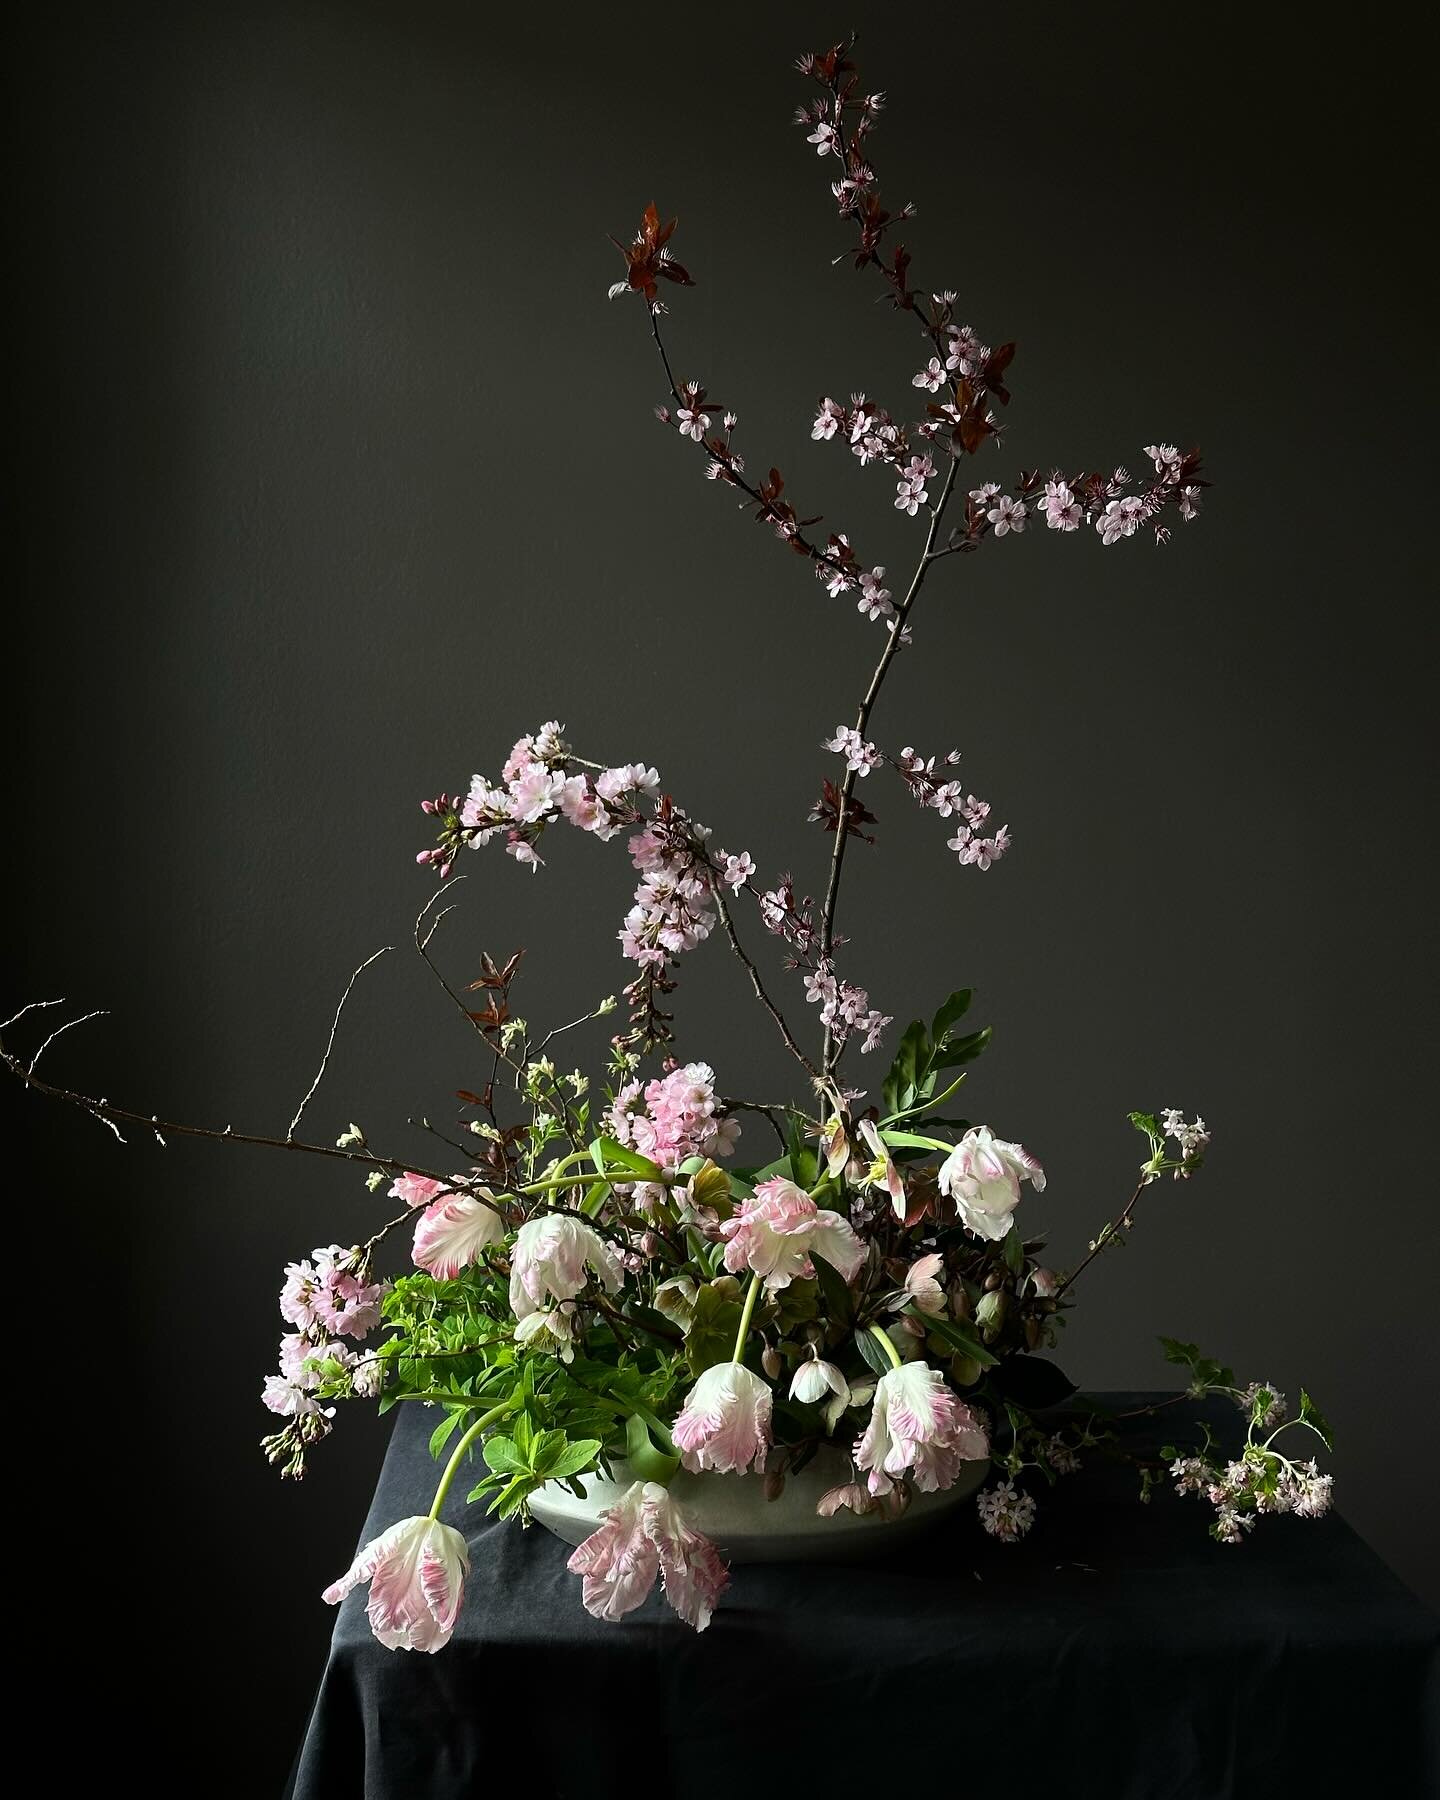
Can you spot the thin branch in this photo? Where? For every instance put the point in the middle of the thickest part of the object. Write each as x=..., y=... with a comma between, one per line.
x=59, y=1030
x=1107, y=1236
x=760, y=994
x=31, y=1006
x=330, y=1044
x=862, y=719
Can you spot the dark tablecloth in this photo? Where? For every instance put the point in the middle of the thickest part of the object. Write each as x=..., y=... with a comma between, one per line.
x=1117, y=1652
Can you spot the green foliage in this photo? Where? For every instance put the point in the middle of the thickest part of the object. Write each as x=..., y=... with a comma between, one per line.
x=710, y=1336
x=1311, y=1415
x=909, y=1088
x=1205, y=1372
x=956, y=1338
x=646, y=1459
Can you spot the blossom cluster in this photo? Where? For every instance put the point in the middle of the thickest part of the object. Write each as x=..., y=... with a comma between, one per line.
x=845, y=1009
x=675, y=1116
x=326, y=1298
x=1254, y=1484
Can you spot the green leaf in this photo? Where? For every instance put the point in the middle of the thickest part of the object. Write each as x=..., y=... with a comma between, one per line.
x=443, y=1430
x=572, y=1459
x=1311, y=1415
x=1013, y=1249
x=648, y=1462
x=874, y=1356
x=710, y=1336
x=914, y=1140
x=1149, y=1126
x=1032, y=1382
x=835, y=1291
x=954, y=1337
x=503, y=1456
x=954, y=1008
x=608, y=1154
x=912, y=1060
x=963, y=1049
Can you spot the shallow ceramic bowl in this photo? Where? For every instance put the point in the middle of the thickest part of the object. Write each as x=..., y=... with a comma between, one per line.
x=733, y=1512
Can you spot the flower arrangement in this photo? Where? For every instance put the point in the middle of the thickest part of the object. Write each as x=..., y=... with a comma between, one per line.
x=601, y=1276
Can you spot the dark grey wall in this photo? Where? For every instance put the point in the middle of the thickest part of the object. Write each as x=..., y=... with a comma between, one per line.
x=336, y=471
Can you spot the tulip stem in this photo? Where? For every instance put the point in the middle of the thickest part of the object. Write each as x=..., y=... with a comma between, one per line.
x=483, y=1423
x=747, y=1313
x=882, y=1337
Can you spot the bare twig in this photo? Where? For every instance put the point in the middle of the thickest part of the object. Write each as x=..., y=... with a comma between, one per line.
x=717, y=889
x=59, y=1030
x=30, y=1006
x=1106, y=1237
x=330, y=1044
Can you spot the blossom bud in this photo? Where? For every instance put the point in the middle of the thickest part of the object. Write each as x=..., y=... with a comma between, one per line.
x=710, y=1187
x=992, y=1309
x=774, y=1484
x=772, y=1362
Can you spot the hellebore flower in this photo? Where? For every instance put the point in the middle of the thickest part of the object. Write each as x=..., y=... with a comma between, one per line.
x=982, y=1175
x=918, y=1424
x=882, y=1172
x=775, y=1230
x=643, y=1535
x=550, y=1258
x=724, y=1424
x=416, y=1572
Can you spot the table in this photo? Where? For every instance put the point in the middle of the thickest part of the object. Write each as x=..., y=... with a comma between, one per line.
x=1116, y=1651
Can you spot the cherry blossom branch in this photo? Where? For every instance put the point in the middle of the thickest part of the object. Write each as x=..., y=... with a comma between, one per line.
x=330, y=1044
x=862, y=719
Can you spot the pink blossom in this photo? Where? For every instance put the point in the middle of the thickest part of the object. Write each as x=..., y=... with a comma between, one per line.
x=628, y=778
x=453, y=1233
x=724, y=1424
x=1006, y=1512
x=291, y=1399
x=416, y=1572
x=918, y=1425
x=982, y=1175
x=535, y=792
x=1062, y=510
x=552, y=1259
x=986, y=491
x=874, y=599
x=979, y=852
x=859, y=755
x=1007, y=515
x=415, y=1190
x=692, y=422
x=829, y=420
x=965, y=352
x=931, y=377
x=823, y=137
x=738, y=869
x=642, y=1536
x=1189, y=503
x=775, y=1231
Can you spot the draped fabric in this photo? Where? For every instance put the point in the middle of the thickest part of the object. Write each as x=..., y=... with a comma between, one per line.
x=1116, y=1652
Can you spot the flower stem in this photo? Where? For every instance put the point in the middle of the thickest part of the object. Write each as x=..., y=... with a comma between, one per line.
x=882, y=1337
x=483, y=1423
x=746, y=1315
